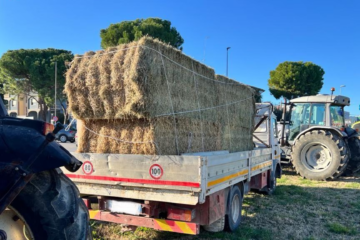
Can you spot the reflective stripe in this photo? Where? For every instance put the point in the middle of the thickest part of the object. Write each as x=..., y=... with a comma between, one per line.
x=175, y=226
x=261, y=166
x=223, y=179
x=185, y=227
x=134, y=180
x=93, y=213
x=162, y=224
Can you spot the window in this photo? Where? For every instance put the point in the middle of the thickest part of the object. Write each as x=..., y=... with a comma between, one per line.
x=300, y=116
x=337, y=116
x=318, y=114
x=31, y=103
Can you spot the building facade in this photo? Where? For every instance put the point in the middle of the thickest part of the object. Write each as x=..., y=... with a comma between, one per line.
x=23, y=105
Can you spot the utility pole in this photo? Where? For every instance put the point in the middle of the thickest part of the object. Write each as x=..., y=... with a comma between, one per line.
x=55, y=86
x=227, y=61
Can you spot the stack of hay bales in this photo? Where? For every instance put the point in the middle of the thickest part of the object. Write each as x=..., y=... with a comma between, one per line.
x=126, y=98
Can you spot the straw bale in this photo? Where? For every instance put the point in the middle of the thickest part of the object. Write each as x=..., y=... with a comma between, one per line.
x=132, y=91
x=138, y=82
x=142, y=136
x=237, y=118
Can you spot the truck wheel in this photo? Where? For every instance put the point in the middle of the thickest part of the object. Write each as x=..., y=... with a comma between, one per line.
x=63, y=138
x=271, y=187
x=50, y=208
x=216, y=226
x=320, y=155
x=354, y=162
x=233, y=218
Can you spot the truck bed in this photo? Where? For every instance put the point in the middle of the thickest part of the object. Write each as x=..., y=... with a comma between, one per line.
x=185, y=179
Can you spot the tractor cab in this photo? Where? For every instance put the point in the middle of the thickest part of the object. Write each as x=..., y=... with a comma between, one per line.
x=325, y=111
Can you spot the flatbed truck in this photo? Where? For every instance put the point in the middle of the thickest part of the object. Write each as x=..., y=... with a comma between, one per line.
x=180, y=193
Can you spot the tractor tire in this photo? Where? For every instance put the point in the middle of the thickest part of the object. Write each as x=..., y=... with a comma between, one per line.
x=51, y=208
x=354, y=162
x=320, y=155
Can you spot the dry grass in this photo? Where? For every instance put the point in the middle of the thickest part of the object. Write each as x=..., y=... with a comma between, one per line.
x=300, y=210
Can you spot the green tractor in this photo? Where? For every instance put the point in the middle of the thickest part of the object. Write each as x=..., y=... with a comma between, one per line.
x=316, y=140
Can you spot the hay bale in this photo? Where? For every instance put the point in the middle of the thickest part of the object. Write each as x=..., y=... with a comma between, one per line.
x=138, y=82
x=131, y=91
x=237, y=117
x=142, y=136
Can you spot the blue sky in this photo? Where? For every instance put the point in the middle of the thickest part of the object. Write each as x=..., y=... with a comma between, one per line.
x=261, y=34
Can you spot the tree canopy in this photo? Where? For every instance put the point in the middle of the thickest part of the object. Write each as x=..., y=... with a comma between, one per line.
x=26, y=70
x=128, y=31
x=295, y=79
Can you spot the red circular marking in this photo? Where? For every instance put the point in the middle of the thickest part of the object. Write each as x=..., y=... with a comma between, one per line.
x=161, y=173
x=91, y=169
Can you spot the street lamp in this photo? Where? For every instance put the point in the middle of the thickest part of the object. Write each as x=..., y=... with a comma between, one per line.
x=342, y=87
x=55, y=85
x=227, y=60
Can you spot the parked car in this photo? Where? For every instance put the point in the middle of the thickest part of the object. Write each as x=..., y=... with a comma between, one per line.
x=64, y=136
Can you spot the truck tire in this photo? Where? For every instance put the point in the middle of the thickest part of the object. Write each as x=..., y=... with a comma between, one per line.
x=354, y=162
x=320, y=155
x=51, y=207
x=233, y=216
x=271, y=187
x=217, y=226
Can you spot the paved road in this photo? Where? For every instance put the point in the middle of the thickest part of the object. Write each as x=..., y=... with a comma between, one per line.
x=71, y=147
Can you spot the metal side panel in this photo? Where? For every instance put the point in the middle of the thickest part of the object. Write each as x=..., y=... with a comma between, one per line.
x=260, y=161
x=141, y=193
x=158, y=172
x=260, y=155
x=226, y=170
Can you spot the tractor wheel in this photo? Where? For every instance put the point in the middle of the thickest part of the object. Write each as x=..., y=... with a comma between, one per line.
x=49, y=207
x=354, y=162
x=320, y=155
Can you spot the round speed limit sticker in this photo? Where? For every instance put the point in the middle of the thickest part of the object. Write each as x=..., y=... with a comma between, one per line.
x=156, y=171
x=87, y=167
